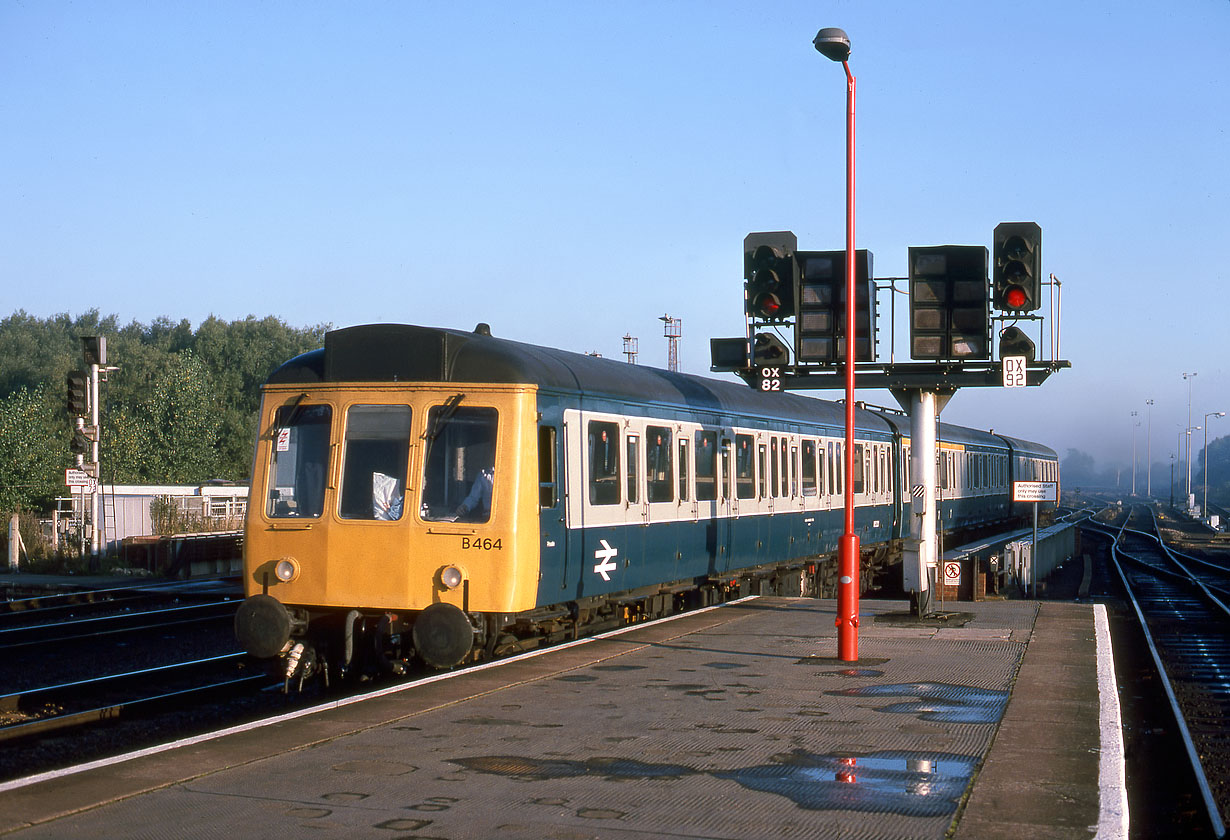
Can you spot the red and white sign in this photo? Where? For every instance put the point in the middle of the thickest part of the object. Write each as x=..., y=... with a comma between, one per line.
x=952, y=573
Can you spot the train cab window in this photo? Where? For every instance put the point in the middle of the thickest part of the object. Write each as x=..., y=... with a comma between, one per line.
x=659, y=471
x=459, y=464
x=633, y=473
x=706, y=466
x=603, y=463
x=683, y=468
x=377, y=444
x=745, y=469
x=548, y=483
x=300, y=462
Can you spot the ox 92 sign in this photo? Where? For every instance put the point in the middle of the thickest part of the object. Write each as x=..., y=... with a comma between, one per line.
x=770, y=379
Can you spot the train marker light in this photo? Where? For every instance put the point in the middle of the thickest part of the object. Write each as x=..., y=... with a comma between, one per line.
x=1017, y=274
x=287, y=569
x=770, y=271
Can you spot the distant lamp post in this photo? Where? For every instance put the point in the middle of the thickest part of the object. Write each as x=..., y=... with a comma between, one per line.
x=1135, y=426
x=1189, y=377
x=1149, y=450
x=834, y=44
x=1206, y=458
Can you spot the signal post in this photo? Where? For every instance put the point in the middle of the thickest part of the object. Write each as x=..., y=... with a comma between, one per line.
x=953, y=289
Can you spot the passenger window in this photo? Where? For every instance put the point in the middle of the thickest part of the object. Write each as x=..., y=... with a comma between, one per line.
x=745, y=469
x=706, y=466
x=300, y=462
x=459, y=464
x=762, y=471
x=633, y=473
x=858, y=468
x=659, y=473
x=374, y=461
x=785, y=448
x=603, y=463
x=809, y=468
x=683, y=468
x=794, y=471
x=548, y=492
x=772, y=468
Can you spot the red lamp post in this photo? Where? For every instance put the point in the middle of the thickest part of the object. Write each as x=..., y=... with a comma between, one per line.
x=834, y=44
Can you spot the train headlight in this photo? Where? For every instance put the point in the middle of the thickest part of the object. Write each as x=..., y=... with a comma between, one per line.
x=451, y=577
x=286, y=569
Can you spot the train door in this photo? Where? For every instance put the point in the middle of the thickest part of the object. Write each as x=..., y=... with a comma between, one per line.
x=553, y=543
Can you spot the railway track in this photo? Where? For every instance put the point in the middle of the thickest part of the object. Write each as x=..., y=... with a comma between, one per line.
x=1184, y=614
x=84, y=702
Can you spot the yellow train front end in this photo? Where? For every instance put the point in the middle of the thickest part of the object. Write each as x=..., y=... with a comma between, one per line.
x=387, y=521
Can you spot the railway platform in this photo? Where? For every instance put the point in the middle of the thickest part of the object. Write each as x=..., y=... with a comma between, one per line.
x=735, y=722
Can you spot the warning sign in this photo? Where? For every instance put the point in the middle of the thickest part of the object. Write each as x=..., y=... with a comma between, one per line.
x=1035, y=491
x=952, y=573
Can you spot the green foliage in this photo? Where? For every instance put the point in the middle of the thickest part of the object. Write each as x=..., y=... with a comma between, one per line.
x=33, y=448
x=180, y=409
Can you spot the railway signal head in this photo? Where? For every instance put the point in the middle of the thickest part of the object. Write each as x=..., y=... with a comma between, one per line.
x=94, y=349
x=1017, y=278
x=820, y=307
x=769, y=268
x=950, y=316
x=78, y=393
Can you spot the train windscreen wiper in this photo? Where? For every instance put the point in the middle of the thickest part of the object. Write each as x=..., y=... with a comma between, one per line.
x=443, y=416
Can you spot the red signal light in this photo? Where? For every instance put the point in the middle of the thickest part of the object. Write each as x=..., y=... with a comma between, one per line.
x=768, y=305
x=1015, y=297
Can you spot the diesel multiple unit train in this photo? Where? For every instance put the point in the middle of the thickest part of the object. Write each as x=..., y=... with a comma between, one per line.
x=452, y=496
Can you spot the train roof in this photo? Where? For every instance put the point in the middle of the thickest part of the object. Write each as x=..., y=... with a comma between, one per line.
x=405, y=353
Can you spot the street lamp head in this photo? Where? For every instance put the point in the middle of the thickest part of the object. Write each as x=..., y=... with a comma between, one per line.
x=833, y=43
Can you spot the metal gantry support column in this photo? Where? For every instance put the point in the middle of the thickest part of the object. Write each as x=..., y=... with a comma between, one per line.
x=920, y=558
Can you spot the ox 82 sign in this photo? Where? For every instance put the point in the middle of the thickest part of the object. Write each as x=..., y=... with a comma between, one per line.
x=770, y=379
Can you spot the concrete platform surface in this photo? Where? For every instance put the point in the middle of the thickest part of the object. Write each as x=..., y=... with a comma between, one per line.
x=737, y=722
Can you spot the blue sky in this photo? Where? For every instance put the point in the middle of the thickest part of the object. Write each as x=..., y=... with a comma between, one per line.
x=571, y=171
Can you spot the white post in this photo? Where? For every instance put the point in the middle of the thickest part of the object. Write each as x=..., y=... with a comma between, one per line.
x=14, y=543
x=919, y=558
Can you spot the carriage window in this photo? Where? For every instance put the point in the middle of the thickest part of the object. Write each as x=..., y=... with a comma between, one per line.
x=809, y=468
x=300, y=461
x=459, y=464
x=706, y=466
x=834, y=485
x=548, y=494
x=659, y=472
x=745, y=471
x=683, y=468
x=858, y=468
x=634, y=460
x=794, y=471
x=762, y=471
x=785, y=469
x=773, y=468
x=374, y=461
x=603, y=463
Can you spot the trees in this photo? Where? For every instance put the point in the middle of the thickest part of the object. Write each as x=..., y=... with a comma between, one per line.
x=181, y=408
